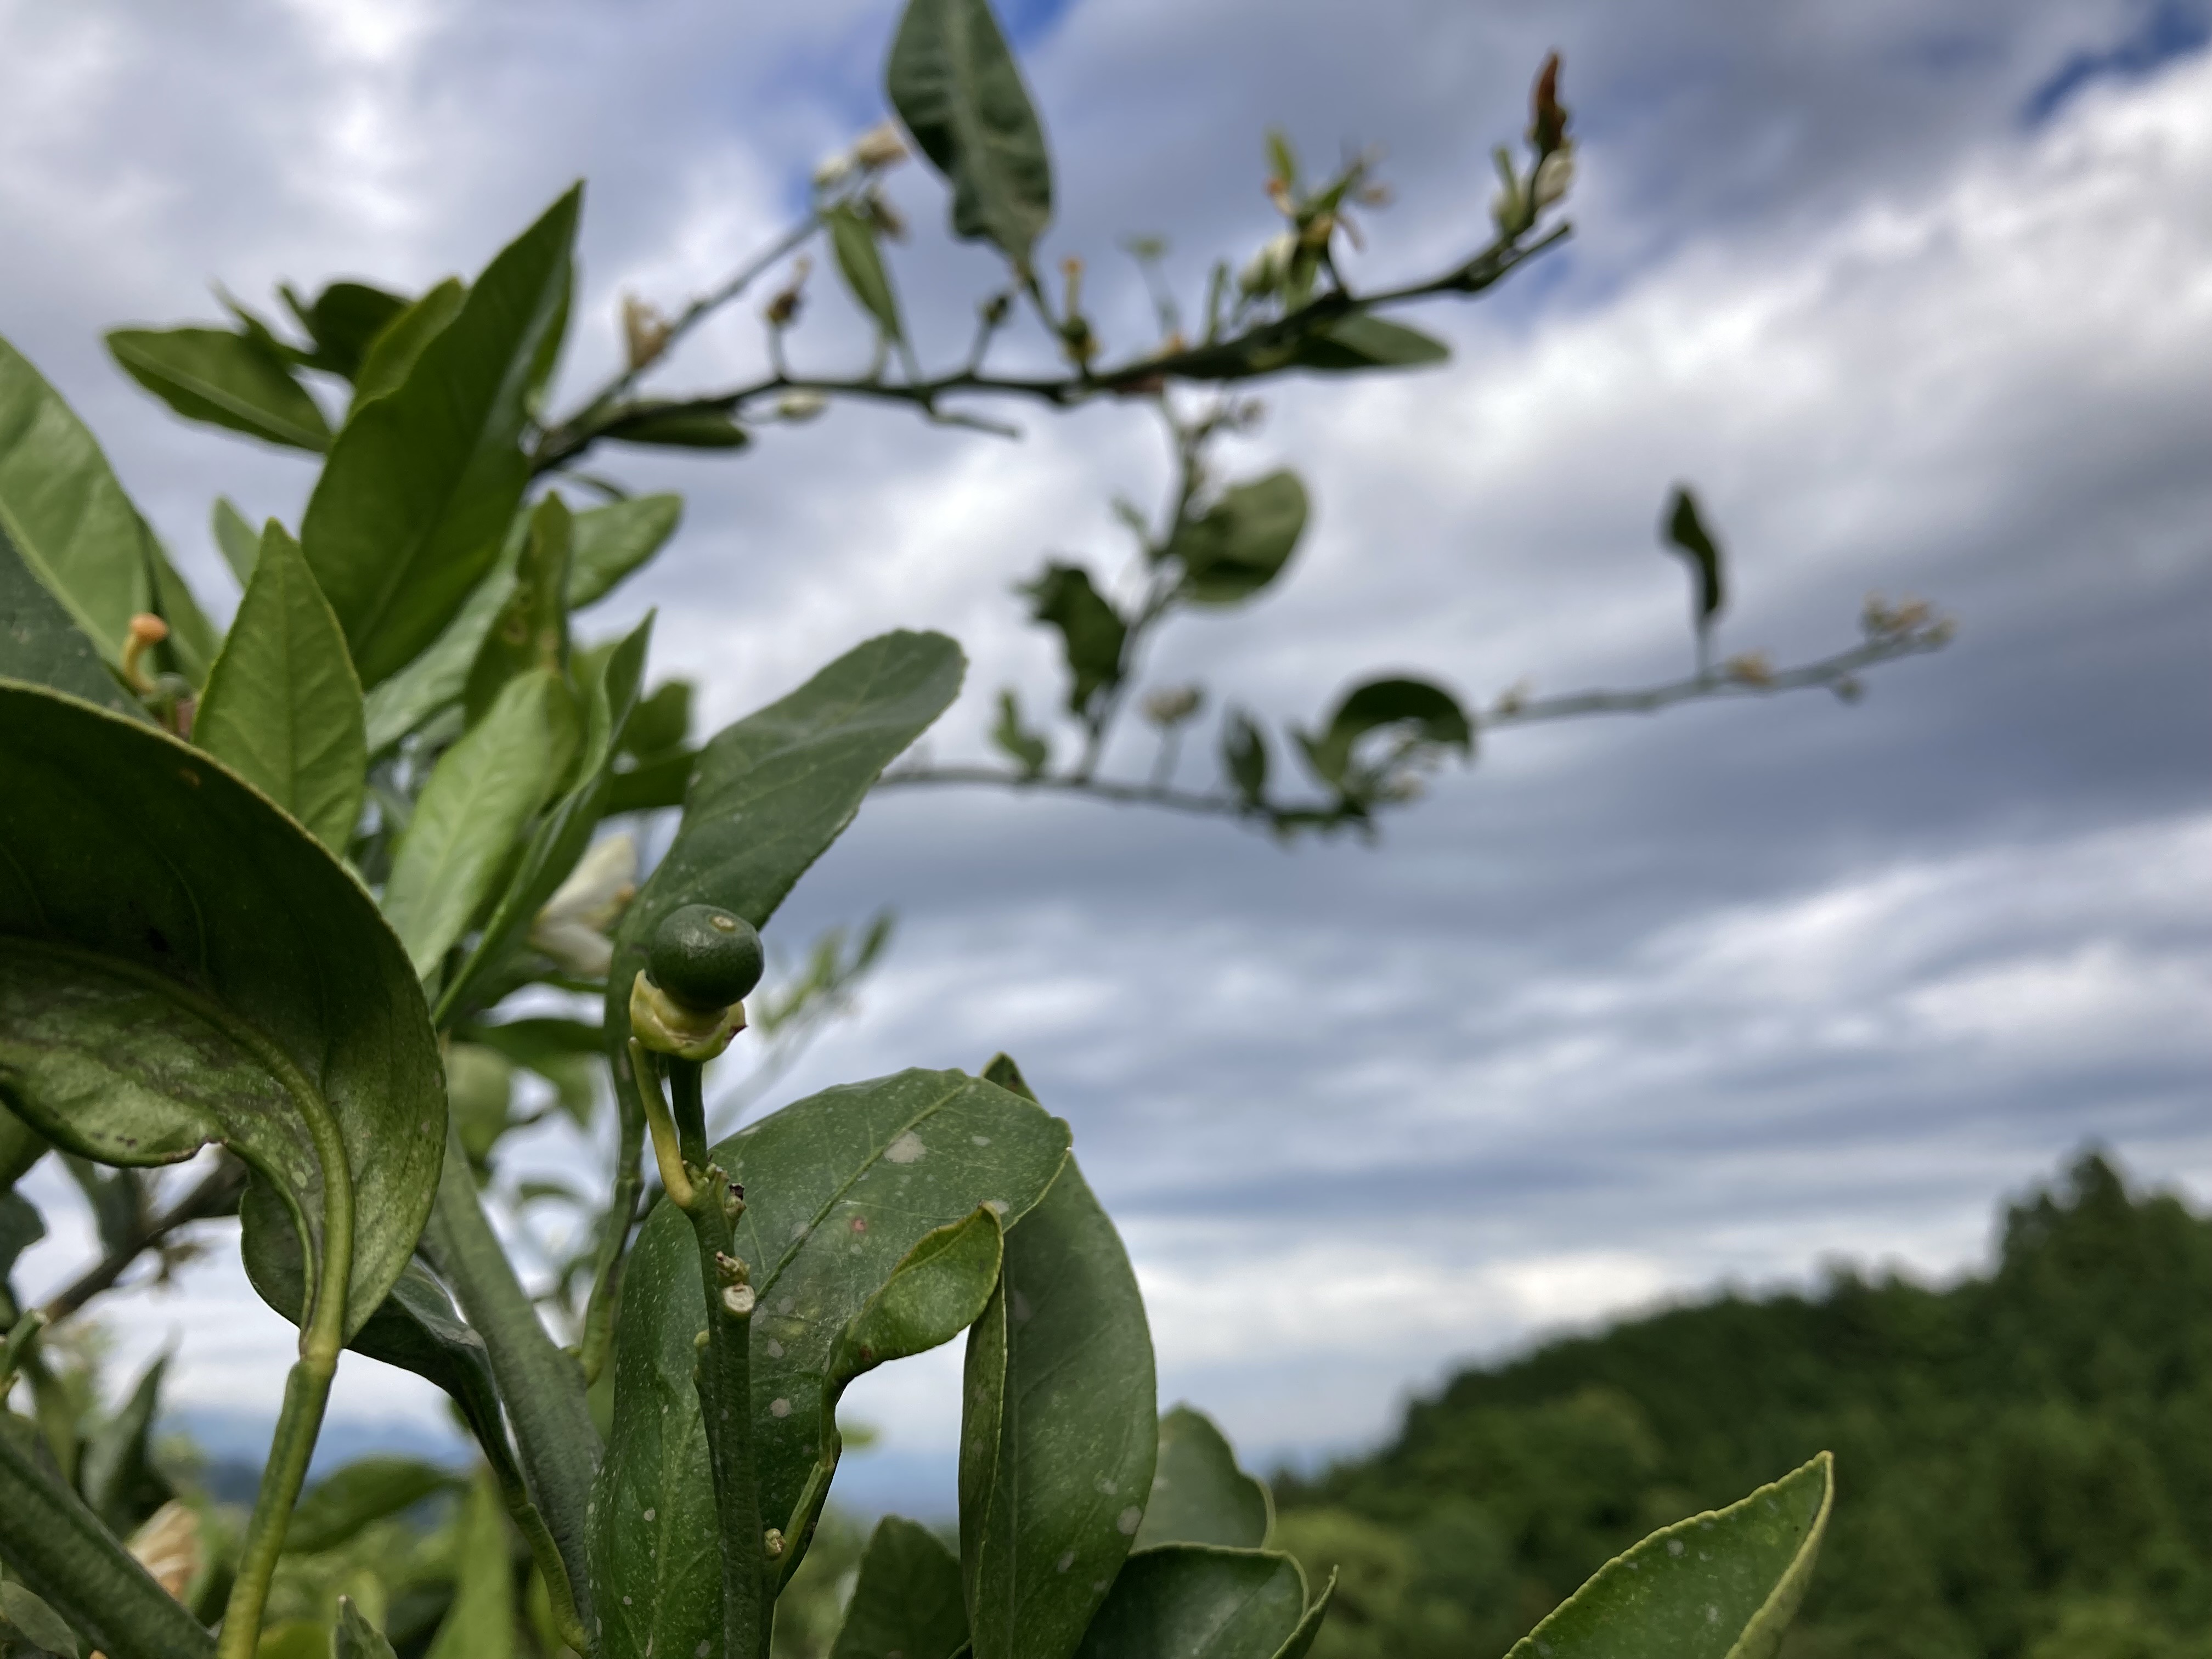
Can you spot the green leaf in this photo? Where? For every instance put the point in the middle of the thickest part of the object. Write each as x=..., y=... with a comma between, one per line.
x=954, y=83
x=65, y=514
x=906, y=1600
x=357, y=1638
x=1722, y=1585
x=415, y=500
x=480, y=1624
x=283, y=708
x=1199, y=1601
x=559, y=842
x=1241, y=544
x=661, y=722
x=1093, y=633
x=610, y=541
x=342, y=320
x=672, y=424
x=936, y=1292
x=335, y=1509
x=440, y=676
x=390, y=356
x=57, y=1550
x=116, y=1474
x=1363, y=341
x=1244, y=758
x=1425, y=713
x=227, y=380
x=1686, y=531
x=180, y=963
x=40, y=644
x=1028, y=750
x=40, y=1624
x=839, y=1188
x=532, y=629
x=860, y=262
x=480, y=797
x=21, y=1227
x=1057, y=1435
x=1199, y=1494
x=653, y=785
x=235, y=538
x=770, y=792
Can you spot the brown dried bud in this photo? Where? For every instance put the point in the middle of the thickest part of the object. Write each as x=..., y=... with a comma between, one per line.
x=1547, y=115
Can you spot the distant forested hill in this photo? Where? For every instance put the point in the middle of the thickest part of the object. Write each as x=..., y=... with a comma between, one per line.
x=2024, y=1462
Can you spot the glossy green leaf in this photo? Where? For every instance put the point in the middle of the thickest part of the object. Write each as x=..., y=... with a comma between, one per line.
x=481, y=795
x=390, y=356
x=676, y=425
x=1093, y=633
x=1199, y=1601
x=42, y=645
x=235, y=538
x=1026, y=749
x=1057, y=1434
x=860, y=262
x=480, y=1624
x=336, y=1507
x=906, y=1602
x=65, y=514
x=1199, y=1494
x=413, y=504
x=342, y=320
x=116, y=1474
x=954, y=81
x=1722, y=1585
x=1361, y=343
x=38, y=1623
x=181, y=964
x=566, y=830
x=283, y=708
x=56, y=1547
x=936, y=1292
x=609, y=542
x=532, y=629
x=438, y=677
x=1241, y=544
x=770, y=792
x=1686, y=533
x=225, y=379
x=839, y=1188
x=1425, y=713
x=356, y=1637
x=1244, y=757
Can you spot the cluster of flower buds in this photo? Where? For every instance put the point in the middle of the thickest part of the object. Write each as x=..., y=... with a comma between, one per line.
x=877, y=150
x=1286, y=262
x=1520, y=202
x=1907, y=618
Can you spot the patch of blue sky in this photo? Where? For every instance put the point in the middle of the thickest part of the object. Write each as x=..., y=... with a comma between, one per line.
x=2166, y=29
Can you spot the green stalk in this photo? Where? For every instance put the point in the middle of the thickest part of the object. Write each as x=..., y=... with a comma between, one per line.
x=724, y=1380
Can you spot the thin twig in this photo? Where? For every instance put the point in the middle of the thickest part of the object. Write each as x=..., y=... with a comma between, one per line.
x=216, y=1193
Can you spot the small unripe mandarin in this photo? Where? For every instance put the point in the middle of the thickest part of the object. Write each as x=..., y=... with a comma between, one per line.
x=704, y=957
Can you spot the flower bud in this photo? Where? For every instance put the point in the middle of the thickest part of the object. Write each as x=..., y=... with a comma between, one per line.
x=1553, y=174
x=645, y=332
x=880, y=146
x=1170, y=706
x=798, y=406
x=833, y=170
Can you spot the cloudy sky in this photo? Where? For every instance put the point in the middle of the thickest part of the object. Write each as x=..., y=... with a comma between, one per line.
x=1919, y=296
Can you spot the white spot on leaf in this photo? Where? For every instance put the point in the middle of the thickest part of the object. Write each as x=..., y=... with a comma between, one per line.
x=981, y=1140
x=907, y=1149
x=1067, y=1560
x=774, y=1349
x=1673, y=1547
x=779, y=1409
x=1128, y=1521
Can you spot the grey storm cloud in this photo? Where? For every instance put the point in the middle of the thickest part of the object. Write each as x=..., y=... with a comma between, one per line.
x=1916, y=294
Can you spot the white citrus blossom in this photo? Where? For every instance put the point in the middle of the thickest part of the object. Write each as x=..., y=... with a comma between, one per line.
x=572, y=928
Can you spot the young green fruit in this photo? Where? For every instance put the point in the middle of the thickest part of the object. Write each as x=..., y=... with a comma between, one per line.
x=704, y=957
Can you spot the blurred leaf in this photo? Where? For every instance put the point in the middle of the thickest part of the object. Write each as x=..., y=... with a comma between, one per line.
x=1241, y=544
x=906, y=1599
x=1093, y=633
x=860, y=262
x=1057, y=1433
x=608, y=542
x=481, y=794
x=532, y=629
x=335, y=1509
x=840, y=1187
x=1284, y=162
x=235, y=538
x=117, y=1475
x=357, y=1638
x=1362, y=341
x=676, y=425
x=1196, y=1601
x=283, y=708
x=181, y=964
x=1686, y=531
x=41, y=644
x=479, y=1097
x=536, y=1044
x=1427, y=712
x=954, y=83
x=342, y=320
x=1722, y=1585
x=389, y=355
x=1199, y=1494
x=1029, y=750
x=227, y=380
x=21, y=1227
x=40, y=1624
x=661, y=722
x=480, y=1625
x=1244, y=757
x=415, y=500
x=653, y=785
